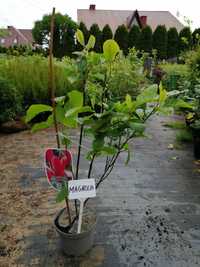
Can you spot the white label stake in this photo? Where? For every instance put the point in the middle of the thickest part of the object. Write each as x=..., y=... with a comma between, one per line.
x=80, y=215
x=81, y=189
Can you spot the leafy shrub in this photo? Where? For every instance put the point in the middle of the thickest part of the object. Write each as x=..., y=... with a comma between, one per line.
x=23, y=50
x=178, y=69
x=160, y=41
x=121, y=37
x=184, y=136
x=175, y=124
x=175, y=75
x=85, y=32
x=195, y=37
x=10, y=101
x=172, y=43
x=192, y=60
x=29, y=75
x=133, y=36
x=94, y=30
x=145, y=40
x=127, y=76
x=185, y=39
x=106, y=33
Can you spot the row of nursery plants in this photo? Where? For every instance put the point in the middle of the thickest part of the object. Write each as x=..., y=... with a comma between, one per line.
x=109, y=120
x=188, y=83
x=24, y=80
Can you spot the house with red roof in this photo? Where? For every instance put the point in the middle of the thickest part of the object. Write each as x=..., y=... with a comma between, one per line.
x=114, y=18
x=17, y=37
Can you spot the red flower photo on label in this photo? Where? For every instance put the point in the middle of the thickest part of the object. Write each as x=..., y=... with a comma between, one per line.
x=58, y=166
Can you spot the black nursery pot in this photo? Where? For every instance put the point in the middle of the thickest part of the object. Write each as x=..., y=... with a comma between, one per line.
x=196, y=138
x=73, y=244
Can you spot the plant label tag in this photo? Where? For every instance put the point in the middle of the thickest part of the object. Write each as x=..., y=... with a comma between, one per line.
x=58, y=166
x=81, y=189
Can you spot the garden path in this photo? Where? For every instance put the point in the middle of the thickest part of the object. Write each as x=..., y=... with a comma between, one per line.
x=149, y=211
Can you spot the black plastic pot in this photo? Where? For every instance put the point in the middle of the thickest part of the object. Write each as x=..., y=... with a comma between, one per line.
x=74, y=244
x=197, y=147
x=196, y=141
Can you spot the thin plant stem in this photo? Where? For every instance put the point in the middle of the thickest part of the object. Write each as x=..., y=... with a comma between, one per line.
x=79, y=150
x=80, y=144
x=81, y=130
x=68, y=210
x=91, y=165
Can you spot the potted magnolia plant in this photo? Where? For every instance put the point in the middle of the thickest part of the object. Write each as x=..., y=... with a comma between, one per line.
x=108, y=123
x=191, y=108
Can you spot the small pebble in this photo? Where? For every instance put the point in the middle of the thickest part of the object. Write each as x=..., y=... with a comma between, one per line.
x=123, y=246
x=167, y=210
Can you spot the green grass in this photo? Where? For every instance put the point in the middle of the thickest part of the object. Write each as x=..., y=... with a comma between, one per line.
x=175, y=124
x=29, y=75
x=177, y=69
x=184, y=136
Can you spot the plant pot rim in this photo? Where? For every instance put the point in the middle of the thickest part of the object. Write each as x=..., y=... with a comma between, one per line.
x=73, y=235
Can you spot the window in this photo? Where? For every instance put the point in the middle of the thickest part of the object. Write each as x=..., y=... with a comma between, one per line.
x=2, y=41
x=15, y=41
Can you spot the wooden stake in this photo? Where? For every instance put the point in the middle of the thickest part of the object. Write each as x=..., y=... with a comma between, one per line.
x=52, y=93
x=52, y=78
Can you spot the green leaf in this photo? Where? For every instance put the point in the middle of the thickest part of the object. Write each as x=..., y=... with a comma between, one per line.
x=174, y=93
x=70, y=122
x=43, y=125
x=128, y=157
x=80, y=37
x=74, y=111
x=129, y=102
x=75, y=99
x=148, y=95
x=64, y=139
x=126, y=147
x=181, y=104
x=137, y=127
x=89, y=155
x=110, y=49
x=91, y=42
x=109, y=150
x=72, y=79
x=60, y=99
x=60, y=114
x=36, y=109
x=98, y=143
x=63, y=193
x=163, y=94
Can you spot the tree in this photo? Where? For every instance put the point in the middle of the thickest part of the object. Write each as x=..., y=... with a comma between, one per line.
x=106, y=33
x=133, y=36
x=64, y=32
x=121, y=37
x=145, y=40
x=4, y=32
x=160, y=41
x=86, y=34
x=196, y=37
x=94, y=30
x=172, y=43
x=185, y=39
